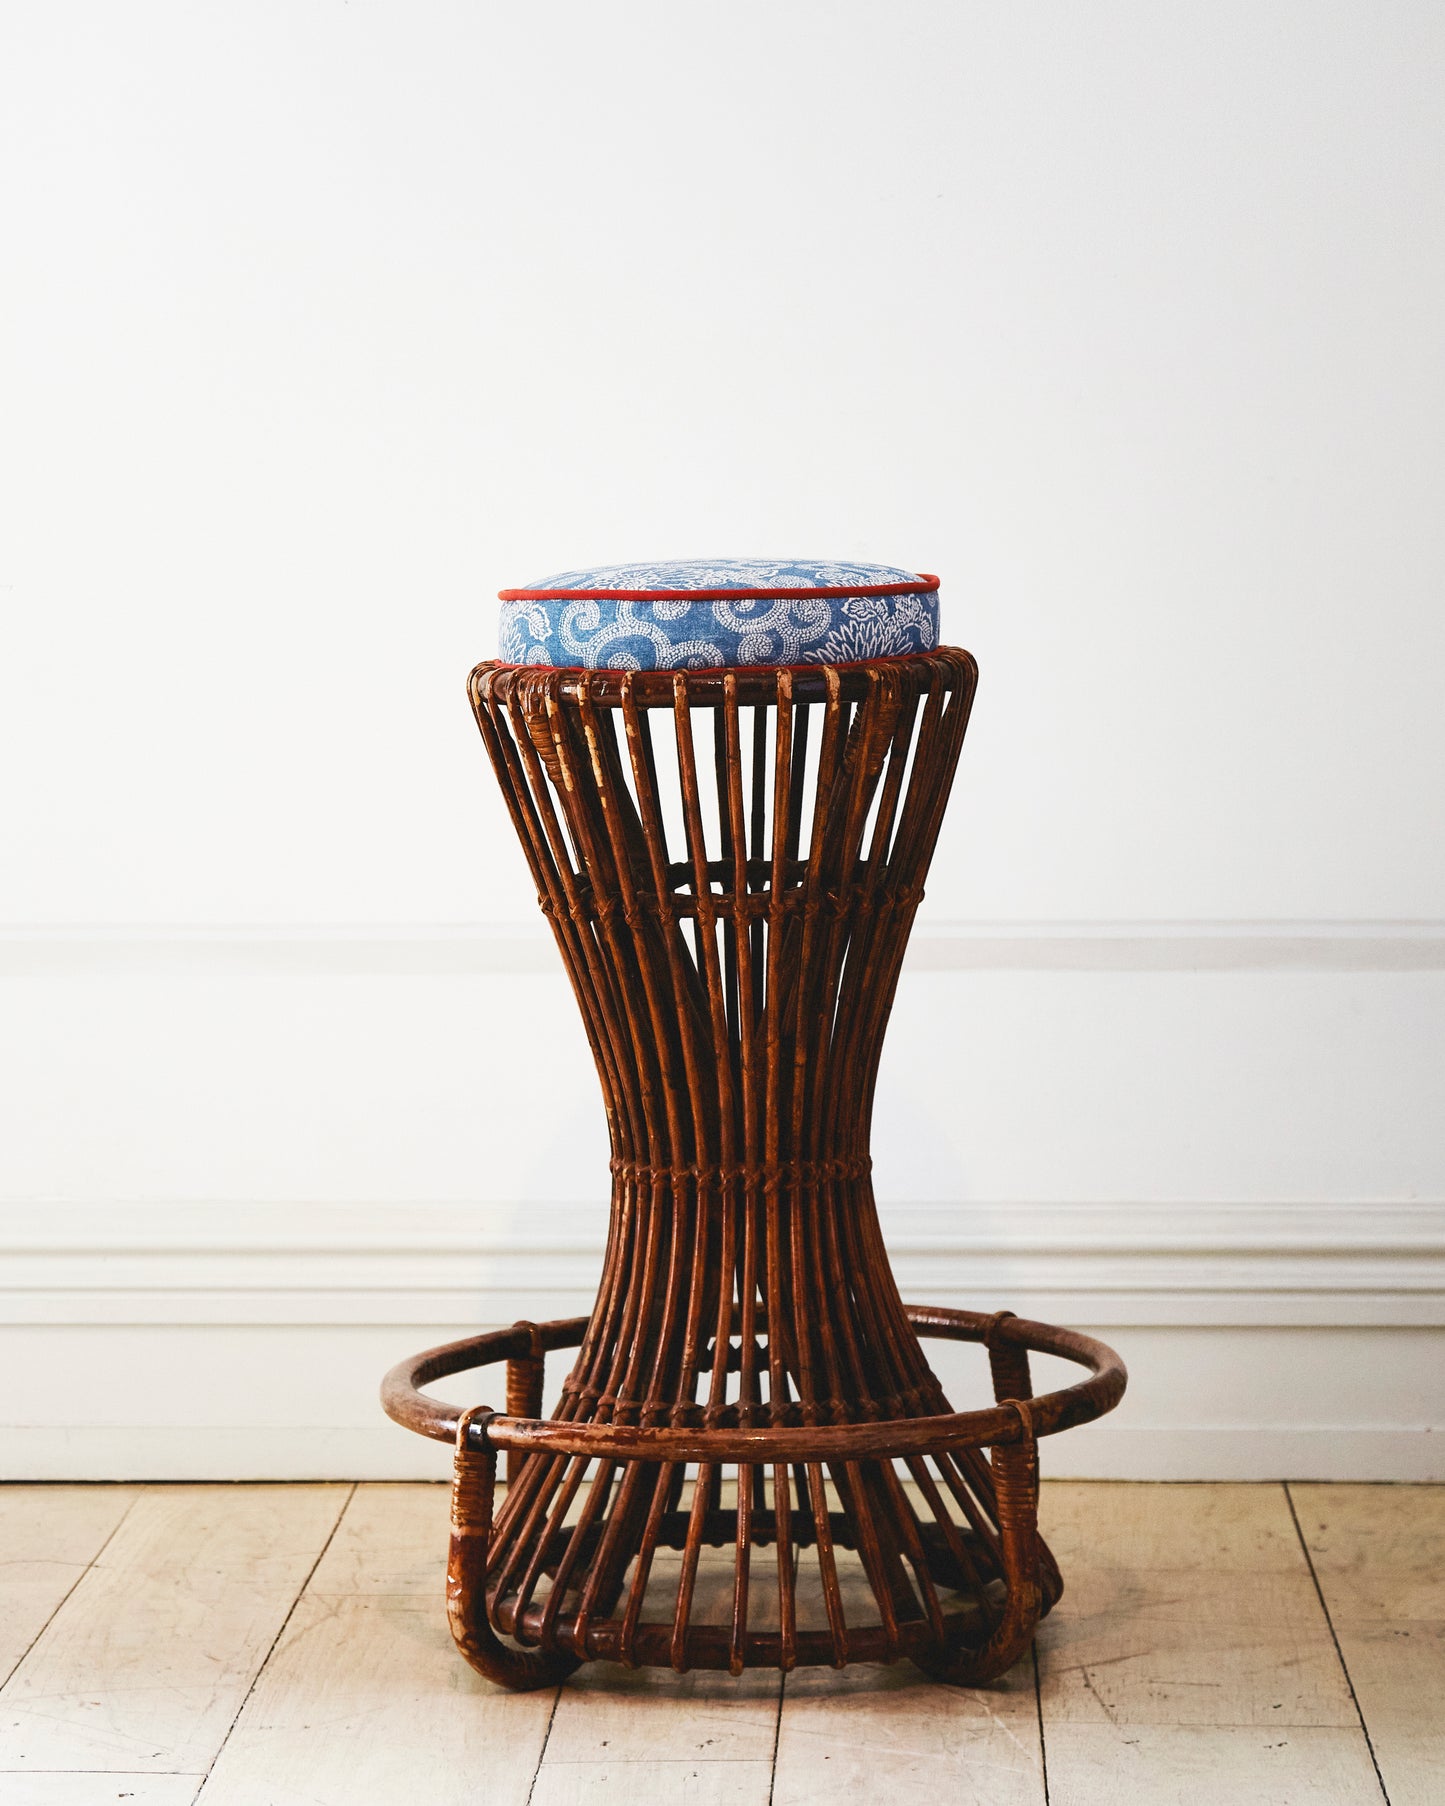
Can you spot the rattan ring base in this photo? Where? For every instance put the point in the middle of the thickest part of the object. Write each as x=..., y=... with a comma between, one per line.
x=751, y=1462
x=992, y=1561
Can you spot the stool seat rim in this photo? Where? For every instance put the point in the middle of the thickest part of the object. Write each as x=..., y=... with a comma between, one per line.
x=948, y=666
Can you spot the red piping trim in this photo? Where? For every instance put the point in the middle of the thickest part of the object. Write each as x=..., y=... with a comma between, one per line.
x=923, y=582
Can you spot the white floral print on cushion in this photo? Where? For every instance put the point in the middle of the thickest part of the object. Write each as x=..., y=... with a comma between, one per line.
x=642, y=617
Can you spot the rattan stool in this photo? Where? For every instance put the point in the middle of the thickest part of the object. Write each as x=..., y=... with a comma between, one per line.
x=750, y=1441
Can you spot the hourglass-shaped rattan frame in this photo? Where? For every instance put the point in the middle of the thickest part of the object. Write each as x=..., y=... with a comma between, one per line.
x=735, y=957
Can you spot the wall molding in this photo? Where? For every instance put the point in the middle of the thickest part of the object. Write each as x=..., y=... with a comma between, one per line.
x=425, y=948
x=1370, y=1264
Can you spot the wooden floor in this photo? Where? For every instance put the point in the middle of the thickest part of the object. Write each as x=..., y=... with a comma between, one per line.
x=286, y=1646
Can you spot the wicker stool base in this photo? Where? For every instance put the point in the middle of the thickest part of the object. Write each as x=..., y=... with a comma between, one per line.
x=938, y=1516
x=731, y=861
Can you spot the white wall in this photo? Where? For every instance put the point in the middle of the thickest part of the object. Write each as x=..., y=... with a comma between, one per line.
x=323, y=322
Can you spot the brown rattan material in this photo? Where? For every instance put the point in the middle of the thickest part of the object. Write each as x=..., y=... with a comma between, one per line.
x=731, y=862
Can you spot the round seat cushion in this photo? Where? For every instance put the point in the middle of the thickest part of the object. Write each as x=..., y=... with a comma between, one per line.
x=687, y=614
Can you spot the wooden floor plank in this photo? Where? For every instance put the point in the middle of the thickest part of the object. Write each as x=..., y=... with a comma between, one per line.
x=652, y=1736
x=1233, y=1527
x=1155, y=1649
x=872, y=1736
x=658, y=1783
x=1398, y=1670
x=1379, y=1553
x=365, y=1698
x=392, y=1539
x=110, y=1789
x=862, y=1734
x=145, y=1666
x=1208, y=1765
x=49, y=1535
x=613, y=1714
x=1186, y=1606
x=1190, y=1650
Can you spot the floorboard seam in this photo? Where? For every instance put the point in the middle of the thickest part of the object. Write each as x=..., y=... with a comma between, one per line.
x=281, y=1632
x=1039, y=1709
x=546, y=1739
x=777, y=1737
x=60, y=1603
x=1339, y=1653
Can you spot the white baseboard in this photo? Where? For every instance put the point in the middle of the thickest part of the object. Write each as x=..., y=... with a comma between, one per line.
x=216, y=1340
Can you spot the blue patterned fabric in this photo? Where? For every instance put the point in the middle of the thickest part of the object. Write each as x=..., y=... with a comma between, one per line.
x=591, y=627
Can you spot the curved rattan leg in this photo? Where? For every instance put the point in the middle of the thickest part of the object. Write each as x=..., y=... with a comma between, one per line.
x=1016, y=1489
x=1008, y=1362
x=473, y=1490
